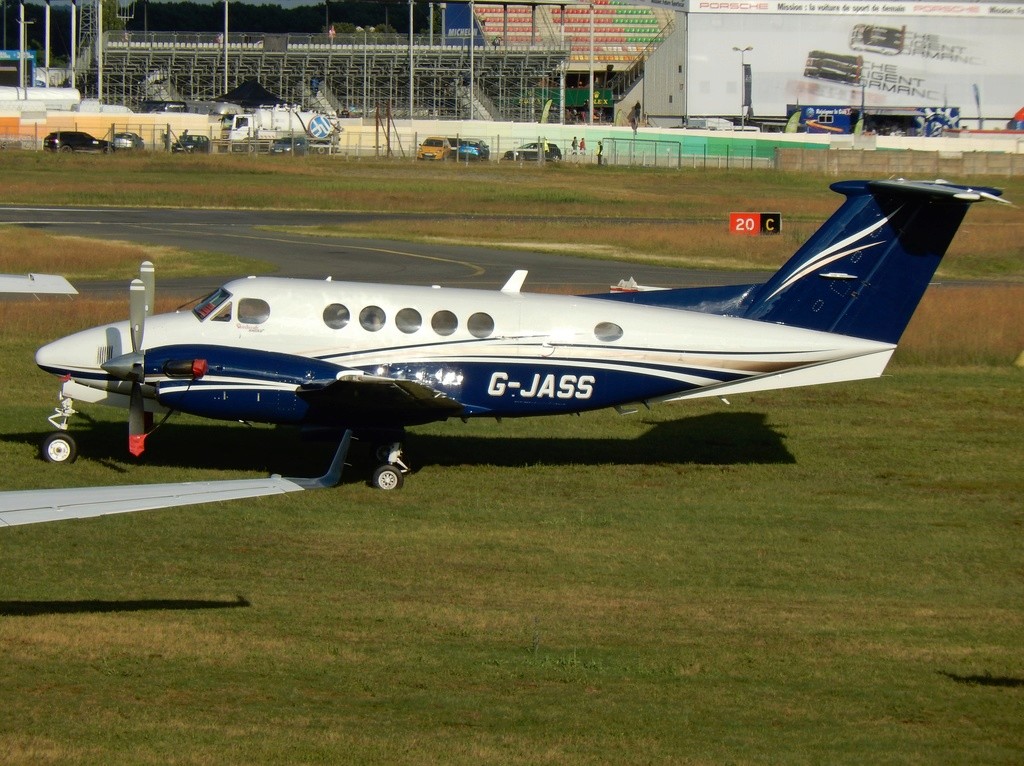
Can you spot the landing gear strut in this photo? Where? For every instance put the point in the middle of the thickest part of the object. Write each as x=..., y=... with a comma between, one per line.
x=60, y=447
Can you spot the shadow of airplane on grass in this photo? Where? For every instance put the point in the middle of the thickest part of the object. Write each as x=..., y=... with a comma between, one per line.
x=725, y=438
x=728, y=438
x=1005, y=682
x=96, y=606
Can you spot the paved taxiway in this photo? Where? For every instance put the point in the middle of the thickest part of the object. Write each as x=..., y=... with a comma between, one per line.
x=247, y=233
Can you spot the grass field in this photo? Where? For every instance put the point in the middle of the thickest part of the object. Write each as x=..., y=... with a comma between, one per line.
x=678, y=217
x=825, y=575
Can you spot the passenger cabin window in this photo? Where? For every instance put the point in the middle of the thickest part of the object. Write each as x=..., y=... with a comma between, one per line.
x=210, y=303
x=444, y=323
x=253, y=311
x=372, y=318
x=408, y=320
x=480, y=325
x=336, y=316
x=607, y=331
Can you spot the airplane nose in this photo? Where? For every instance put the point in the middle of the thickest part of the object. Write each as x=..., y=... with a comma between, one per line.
x=53, y=357
x=82, y=352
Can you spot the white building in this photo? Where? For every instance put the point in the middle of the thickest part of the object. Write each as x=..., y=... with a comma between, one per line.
x=880, y=55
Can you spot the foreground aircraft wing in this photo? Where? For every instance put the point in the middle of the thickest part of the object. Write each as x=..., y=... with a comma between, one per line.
x=39, y=505
x=50, y=284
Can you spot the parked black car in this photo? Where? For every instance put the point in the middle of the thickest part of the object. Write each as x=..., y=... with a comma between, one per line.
x=297, y=146
x=530, y=152
x=192, y=144
x=74, y=141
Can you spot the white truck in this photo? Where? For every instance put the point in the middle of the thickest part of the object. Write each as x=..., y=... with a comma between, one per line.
x=277, y=122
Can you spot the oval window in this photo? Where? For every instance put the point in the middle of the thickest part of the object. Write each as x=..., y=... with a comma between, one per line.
x=608, y=331
x=408, y=320
x=480, y=325
x=372, y=318
x=444, y=322
x=253, y=311
x=336, y=316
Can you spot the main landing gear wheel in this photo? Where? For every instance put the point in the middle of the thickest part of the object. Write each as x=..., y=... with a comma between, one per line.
x=387, y=477
x=59, y=447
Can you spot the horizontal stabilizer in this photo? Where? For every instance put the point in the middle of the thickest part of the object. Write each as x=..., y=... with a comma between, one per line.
x=725, y=299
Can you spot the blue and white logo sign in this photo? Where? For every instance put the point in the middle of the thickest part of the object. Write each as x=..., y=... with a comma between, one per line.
x=320, y=127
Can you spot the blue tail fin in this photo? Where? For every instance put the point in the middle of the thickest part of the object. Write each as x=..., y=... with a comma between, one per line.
x=864, y=271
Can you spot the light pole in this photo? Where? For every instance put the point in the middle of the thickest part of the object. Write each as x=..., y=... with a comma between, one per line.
x=412, y=71
x=366, y=72
x=744, y=103
x=472, y=62
x=226, y=46
x=74, y=40
x=22, y=35
x=46, y=37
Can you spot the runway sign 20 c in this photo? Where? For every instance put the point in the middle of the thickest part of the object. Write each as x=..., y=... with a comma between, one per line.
x=753, y=224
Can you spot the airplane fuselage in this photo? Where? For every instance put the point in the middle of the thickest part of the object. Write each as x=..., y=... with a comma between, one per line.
x=269, y=344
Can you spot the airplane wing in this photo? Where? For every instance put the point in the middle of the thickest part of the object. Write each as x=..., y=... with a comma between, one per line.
x=39, y=505
x=369, y=394
x=36, y=284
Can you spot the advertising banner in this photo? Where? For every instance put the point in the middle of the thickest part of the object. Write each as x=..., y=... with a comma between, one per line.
x=936, y=55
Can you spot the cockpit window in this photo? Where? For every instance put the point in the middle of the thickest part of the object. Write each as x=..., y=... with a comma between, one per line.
x=224, y=315
x=209, y=304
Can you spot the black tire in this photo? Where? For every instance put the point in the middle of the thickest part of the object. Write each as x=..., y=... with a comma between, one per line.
x=387, y=477
x=59, y=447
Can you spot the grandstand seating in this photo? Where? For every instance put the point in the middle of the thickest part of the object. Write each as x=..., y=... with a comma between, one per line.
x=621, y=32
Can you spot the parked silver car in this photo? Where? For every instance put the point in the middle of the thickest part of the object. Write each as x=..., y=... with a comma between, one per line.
x=127, y=142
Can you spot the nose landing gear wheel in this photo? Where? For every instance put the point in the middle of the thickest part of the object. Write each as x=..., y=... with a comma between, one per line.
x=59, y=447
x=387, y=477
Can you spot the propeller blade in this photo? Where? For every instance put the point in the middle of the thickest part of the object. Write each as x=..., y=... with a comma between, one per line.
x=140, y=305
x=147, y=273
x=136, y=421
x=137, y=312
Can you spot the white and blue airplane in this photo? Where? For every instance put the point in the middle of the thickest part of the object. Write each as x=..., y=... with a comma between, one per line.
x=369, y=360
